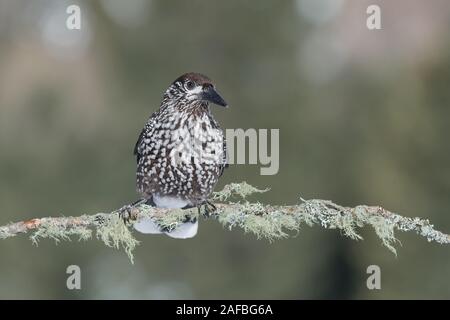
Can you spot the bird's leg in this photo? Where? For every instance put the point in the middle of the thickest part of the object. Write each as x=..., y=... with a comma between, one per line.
x=126, y=212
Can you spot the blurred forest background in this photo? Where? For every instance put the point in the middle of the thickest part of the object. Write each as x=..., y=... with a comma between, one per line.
x=363, y=116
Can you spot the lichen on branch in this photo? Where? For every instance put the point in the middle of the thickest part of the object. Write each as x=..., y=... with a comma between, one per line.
x=233, y=211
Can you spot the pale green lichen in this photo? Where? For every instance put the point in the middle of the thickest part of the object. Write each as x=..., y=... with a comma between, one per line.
x=254, y=218
x=330, y=216
x=57, y=230
x=264, y=221
x=115, y=233
x=172, y=220
x=242, y=190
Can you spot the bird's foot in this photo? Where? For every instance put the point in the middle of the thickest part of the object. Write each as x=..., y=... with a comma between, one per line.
x=210, y=209
x=129, y=213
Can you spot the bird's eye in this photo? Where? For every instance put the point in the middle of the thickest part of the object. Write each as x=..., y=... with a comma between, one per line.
x=190, y=85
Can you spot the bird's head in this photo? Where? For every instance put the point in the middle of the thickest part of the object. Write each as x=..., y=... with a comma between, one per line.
x=195, y=87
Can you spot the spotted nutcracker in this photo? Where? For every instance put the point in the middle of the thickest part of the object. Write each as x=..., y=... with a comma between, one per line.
x=181, y=152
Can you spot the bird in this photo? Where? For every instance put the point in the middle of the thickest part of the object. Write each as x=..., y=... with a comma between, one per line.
x=181, y=152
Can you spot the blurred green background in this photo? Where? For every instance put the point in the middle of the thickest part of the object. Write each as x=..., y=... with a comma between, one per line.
x=363, y=118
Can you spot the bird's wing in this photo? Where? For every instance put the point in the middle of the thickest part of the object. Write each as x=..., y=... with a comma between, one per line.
x=138, y=142
x=144, y=132
x=224, y=156
x=224, y=163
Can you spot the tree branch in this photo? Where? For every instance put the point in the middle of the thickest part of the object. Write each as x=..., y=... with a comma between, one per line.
x=265, y=221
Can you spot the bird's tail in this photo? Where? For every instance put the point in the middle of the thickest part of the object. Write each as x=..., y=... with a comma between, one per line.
x=187, y=229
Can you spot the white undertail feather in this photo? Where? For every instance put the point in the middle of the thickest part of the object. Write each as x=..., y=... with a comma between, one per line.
x=169, y=202
x=147, y=226
x=184, y=231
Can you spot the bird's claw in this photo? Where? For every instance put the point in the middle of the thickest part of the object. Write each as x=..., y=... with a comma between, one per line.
x=127, y=213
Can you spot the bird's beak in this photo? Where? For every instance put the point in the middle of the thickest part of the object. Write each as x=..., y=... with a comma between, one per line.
x=210, y=94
